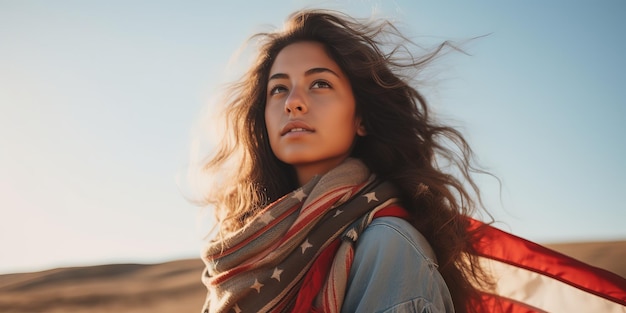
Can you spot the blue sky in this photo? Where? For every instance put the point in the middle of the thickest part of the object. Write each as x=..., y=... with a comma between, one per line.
x=98, y=102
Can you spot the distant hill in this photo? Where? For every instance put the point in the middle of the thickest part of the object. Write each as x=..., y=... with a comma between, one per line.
x=175, y=286
x=609, y=255
x=132, y=288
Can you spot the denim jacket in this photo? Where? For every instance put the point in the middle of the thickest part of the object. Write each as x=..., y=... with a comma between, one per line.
x=395, y=271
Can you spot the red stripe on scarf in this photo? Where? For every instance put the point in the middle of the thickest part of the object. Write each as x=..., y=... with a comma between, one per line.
x=393, y=210
x=319, y=205
x=275, y=221
x=315, y=278
x=307, y=217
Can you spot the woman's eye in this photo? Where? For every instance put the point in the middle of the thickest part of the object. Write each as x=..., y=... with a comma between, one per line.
x=277, y=89
x=320, y=84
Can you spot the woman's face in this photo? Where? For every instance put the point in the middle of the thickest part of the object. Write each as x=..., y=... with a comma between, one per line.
x=310, y=110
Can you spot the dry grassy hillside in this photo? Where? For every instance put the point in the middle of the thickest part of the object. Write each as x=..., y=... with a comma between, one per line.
x=167, y=287
x=174, y=286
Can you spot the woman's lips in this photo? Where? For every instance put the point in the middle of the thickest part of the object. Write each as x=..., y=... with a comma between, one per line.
x=296, y=126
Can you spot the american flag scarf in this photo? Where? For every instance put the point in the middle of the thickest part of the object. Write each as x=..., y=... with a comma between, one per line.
x=262, y=267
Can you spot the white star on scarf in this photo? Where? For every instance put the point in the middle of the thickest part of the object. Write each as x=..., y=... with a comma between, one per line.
x=299, y=194
x=266, y=218
x=276, y=274
x=237, y=309
x=305, y=245
x=370, y=196
x=352, y=234
x=257, y=285
x=337, y=213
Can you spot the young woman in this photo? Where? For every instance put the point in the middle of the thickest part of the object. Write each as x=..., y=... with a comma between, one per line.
x=338, y=202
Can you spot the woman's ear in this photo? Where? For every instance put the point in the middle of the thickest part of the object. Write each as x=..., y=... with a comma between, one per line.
x=361, y=130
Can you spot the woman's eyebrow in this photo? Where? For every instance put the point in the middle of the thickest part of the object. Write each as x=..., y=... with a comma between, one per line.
x=311, y=71
x=320, y=70
x=278, y=76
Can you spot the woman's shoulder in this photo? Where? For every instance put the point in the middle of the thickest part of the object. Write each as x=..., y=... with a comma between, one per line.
x=390, y=232
x=394, y=270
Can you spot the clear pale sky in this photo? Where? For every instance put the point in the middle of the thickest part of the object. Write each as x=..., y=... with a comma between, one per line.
x=98, y=100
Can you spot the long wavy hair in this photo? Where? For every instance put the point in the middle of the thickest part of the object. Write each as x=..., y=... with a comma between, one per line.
x=430, y=163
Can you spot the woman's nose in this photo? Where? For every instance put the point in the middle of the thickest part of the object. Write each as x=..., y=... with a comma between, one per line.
x=295, y=103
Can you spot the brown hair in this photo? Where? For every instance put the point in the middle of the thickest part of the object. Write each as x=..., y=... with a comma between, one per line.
x=404, y=144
